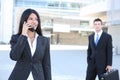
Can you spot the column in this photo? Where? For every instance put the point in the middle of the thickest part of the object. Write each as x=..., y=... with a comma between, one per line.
x=6, y=20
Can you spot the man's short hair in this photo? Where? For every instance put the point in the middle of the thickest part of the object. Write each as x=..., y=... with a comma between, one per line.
x=97, y=19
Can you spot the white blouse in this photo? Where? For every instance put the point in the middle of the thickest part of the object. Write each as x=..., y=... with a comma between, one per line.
x=32, y=48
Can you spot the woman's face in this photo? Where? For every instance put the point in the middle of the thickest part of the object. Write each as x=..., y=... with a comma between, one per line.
x=33, y=20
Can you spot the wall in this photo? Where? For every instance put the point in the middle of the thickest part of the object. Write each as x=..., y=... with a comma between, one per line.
x=115, y=31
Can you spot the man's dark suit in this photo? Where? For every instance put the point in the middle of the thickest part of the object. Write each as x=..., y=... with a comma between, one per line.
x=39, y=63
x=98, y=56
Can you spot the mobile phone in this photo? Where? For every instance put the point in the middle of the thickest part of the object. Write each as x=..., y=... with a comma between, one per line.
x=31, y=29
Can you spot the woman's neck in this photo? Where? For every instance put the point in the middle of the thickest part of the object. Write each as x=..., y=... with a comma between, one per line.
x=31, y=35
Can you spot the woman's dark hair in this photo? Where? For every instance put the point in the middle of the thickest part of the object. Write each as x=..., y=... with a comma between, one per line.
x=97, y=19
x=25, y=16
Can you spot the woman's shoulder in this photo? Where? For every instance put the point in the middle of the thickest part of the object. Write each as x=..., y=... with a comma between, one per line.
x=15, y=36
x=44, y=38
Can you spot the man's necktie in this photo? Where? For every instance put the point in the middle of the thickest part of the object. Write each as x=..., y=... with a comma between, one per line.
x=97, y=38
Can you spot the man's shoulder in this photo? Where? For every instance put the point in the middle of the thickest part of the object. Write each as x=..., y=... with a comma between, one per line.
x=92, y=34
x=107, y=34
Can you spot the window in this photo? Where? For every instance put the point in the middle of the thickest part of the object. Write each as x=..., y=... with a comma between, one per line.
x=84, y=24
x=69, y=6
x=29, y=3
x=53, y=5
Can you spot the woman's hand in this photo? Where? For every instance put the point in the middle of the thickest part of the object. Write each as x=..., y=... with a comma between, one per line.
x=25, y=28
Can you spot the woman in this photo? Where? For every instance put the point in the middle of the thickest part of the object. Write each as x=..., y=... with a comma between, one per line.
x=30, y=49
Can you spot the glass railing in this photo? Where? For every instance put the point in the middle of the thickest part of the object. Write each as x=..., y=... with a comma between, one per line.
x=95, y=1
x=54, y=4
x=48, y=4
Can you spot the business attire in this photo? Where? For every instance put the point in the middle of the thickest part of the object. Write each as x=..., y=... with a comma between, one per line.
x=98, y=55
x=33, y=62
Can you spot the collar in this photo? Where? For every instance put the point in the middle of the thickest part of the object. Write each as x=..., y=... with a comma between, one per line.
x=33, y=46
x=100, y=33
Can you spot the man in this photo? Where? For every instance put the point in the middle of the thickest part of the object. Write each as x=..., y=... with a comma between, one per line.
x=99, y=53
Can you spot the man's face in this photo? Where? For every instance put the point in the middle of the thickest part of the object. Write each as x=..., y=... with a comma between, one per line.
x=97, y=26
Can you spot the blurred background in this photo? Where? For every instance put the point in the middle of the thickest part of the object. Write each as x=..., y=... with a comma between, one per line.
x=67, y=23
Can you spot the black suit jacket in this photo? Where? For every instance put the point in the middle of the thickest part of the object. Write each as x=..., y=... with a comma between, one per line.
x=101, y=54
x=39, y=63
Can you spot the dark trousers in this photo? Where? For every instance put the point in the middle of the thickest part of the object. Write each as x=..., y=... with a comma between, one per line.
x=92, y=71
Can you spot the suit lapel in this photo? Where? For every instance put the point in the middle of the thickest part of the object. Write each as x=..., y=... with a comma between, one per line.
x=100, y=38
x=38, y=46
x=28, y=49
x=93, y=42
